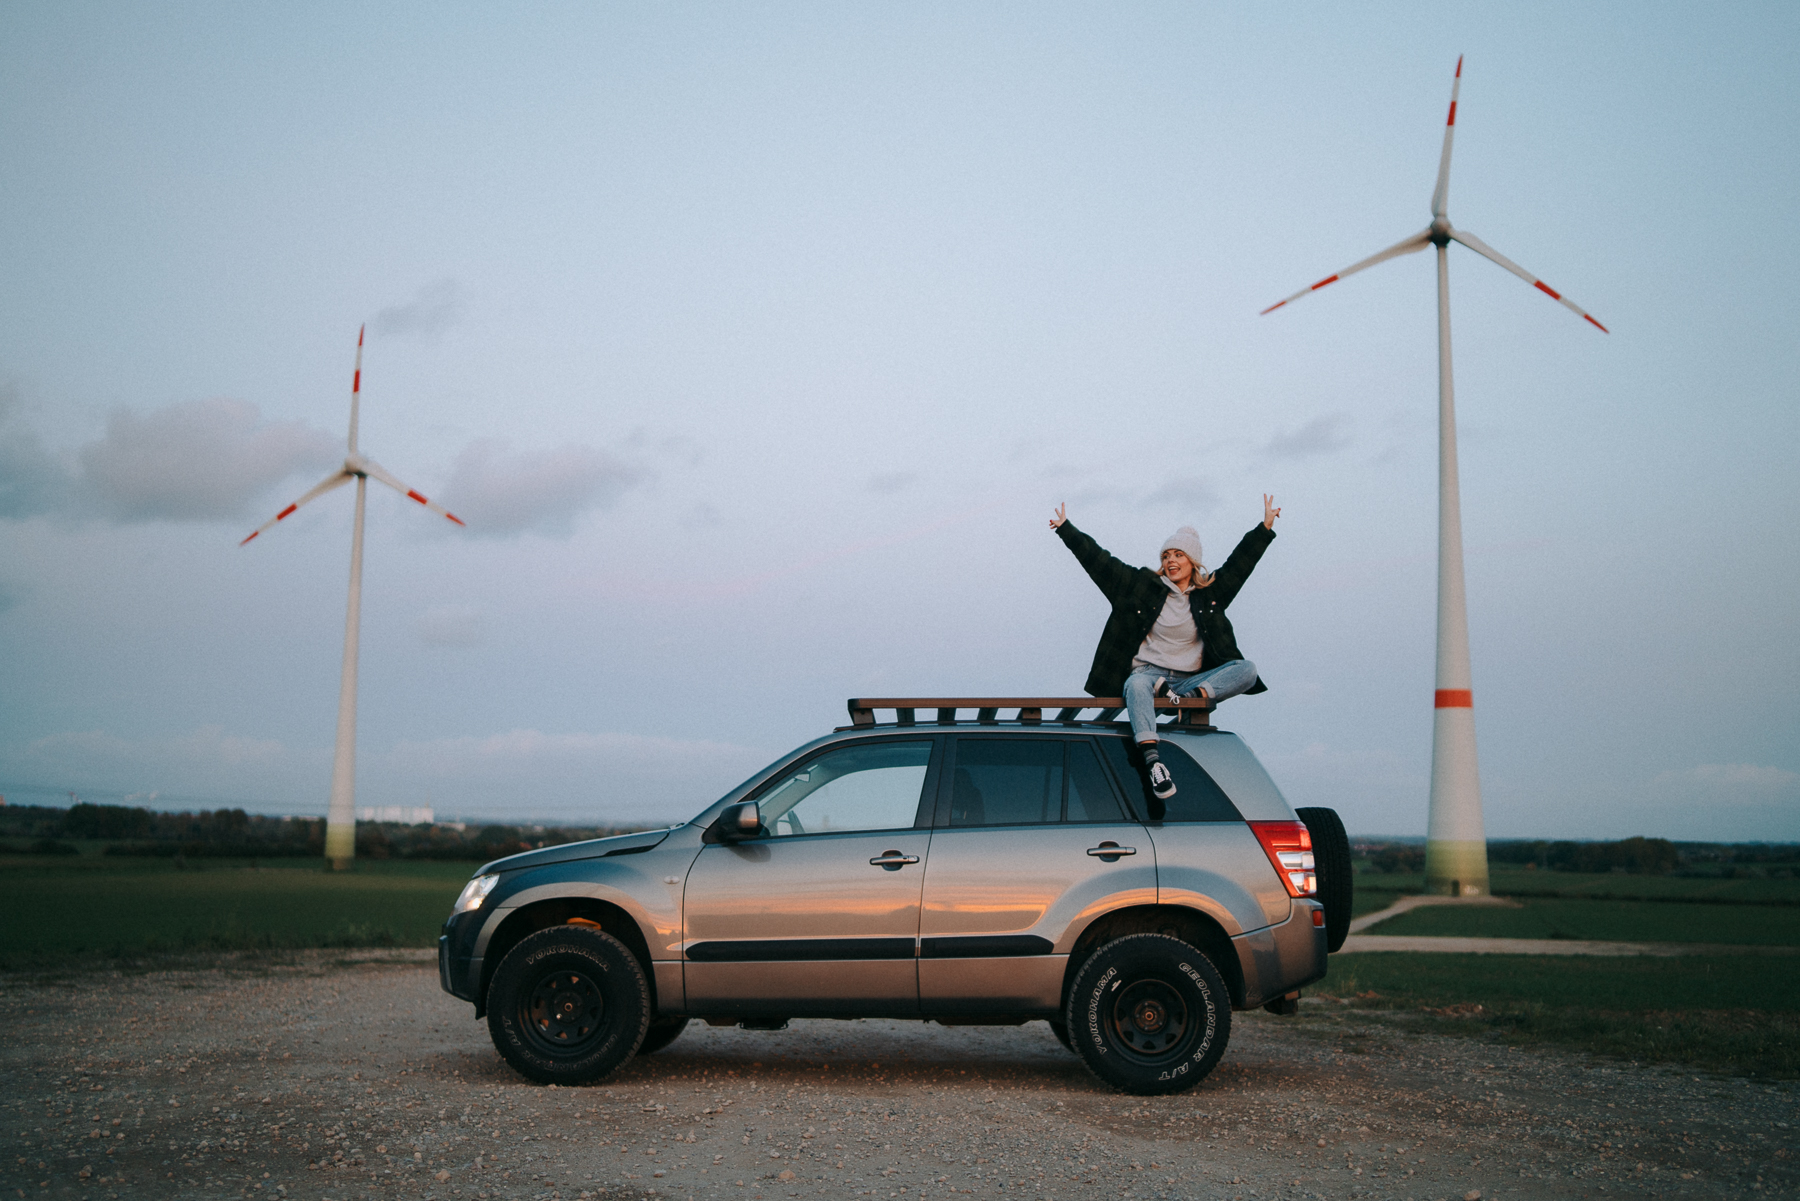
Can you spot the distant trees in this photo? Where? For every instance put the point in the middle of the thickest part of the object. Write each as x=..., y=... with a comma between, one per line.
x=235, y=834
x=1638, y=856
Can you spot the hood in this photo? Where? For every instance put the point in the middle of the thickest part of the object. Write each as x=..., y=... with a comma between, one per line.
x=593, y=848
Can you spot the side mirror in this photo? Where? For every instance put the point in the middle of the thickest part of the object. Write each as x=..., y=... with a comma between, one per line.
x=740, y=821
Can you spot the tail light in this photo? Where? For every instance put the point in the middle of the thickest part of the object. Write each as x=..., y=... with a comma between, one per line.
x=1289, y=848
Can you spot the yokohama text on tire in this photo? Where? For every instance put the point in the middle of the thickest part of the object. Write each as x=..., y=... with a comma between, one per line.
x=1149, y=1014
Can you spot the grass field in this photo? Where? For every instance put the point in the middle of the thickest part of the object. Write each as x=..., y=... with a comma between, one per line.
x=68, y=908
x=1729, y=1013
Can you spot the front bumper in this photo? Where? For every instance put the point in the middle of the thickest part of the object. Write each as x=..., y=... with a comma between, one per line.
x=459, y=973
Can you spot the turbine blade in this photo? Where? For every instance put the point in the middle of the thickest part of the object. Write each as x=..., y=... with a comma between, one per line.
x=1417, y=242
x=1441, y=195
x=1482, y=248
x=376, y=471
x=333, y=481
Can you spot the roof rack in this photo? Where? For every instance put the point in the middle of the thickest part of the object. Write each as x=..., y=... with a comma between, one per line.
x=1188, y=710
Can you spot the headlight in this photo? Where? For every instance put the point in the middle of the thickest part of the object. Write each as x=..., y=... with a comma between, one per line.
x=474, y=893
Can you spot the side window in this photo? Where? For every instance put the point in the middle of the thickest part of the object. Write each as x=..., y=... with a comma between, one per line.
x=1197, y=797
x=1006, y=781
x=1091, y=796
x=873, y=786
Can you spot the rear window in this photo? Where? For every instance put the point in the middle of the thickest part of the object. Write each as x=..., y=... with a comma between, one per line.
x=1197, y=797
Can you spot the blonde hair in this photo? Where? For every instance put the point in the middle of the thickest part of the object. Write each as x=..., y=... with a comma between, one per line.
x=1201, y=578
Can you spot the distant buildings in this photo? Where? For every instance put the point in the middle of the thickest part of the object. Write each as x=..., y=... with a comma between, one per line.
x=411, y=815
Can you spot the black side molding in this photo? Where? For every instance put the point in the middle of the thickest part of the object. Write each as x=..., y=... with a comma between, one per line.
x=762, y=950
x=985, y=946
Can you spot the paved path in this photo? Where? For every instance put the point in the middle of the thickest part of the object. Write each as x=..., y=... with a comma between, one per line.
x=1546, y=946
x=1358, y=941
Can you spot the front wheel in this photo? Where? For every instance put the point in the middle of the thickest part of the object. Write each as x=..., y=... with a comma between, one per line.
x=568, y=1005
x=1149, y=1014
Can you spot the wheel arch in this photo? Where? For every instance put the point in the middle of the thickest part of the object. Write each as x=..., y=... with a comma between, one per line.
x=562, y=911
x=1178, y=921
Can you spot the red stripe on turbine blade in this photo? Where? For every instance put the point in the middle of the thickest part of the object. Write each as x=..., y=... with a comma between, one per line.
x=1328, y=280
x=253, y=533
x=456, y=519
x=1452, y=120
x=1271, y=308
x=1455, y=698
x=1595, y=324
x=361, y=328
x=356, y=381
x=1547, y=290
x=282, y=516
x=1459, y=59
x=416, y=496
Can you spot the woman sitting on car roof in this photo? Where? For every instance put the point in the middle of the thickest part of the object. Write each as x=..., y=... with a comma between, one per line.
x=1168, y=633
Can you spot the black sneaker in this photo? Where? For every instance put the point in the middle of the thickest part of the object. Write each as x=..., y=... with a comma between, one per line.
x=1161, y=782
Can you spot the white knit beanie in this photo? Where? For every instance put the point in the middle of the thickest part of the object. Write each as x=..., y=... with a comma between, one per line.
x=1187, y=541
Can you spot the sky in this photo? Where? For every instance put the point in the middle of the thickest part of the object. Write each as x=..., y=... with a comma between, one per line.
x=756, y=344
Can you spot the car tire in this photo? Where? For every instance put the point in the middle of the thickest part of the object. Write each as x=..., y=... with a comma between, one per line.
x=568, y=1005
x=1149, y=1014
x=1060, y=1028
x=661, y=1033
x=1331, y=860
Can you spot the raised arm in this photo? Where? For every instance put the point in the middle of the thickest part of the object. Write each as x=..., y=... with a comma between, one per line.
x=1108, y=573
x=1243, y=559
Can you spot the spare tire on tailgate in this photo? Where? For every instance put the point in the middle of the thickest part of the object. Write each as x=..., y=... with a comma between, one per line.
x=1331, y=859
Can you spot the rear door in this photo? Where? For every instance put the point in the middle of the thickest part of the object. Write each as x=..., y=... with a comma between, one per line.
x=819, y=915
x=1207, y=857
x=1030, y=837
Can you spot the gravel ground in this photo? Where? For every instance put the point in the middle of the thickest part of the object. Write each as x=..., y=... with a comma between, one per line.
x=322, y=1077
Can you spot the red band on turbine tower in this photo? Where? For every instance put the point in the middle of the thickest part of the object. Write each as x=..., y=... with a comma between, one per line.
x=1455, y=698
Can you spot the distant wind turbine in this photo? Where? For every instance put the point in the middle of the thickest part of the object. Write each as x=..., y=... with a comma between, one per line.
x=1455, y=839
x=340, y=821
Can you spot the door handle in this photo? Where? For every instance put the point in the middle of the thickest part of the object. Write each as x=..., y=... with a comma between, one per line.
x=1110, y=851
x=892, y=861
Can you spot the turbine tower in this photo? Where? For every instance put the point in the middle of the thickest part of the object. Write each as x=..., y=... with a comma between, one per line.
x=340, y=821
x=1455, y=839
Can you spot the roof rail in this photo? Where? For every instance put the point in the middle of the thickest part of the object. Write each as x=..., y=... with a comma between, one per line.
x=1188, y=710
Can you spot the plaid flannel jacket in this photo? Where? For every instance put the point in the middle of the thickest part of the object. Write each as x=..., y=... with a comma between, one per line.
x=1137, y=595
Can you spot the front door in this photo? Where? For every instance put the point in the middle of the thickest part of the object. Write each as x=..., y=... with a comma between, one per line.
x=819, y=914
x=1031, y=843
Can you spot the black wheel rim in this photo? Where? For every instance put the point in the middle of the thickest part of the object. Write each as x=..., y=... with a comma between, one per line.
x=1150, y=1020
x=563, y=1013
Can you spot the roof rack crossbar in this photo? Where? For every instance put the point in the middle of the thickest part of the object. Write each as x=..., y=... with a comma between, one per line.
x=1188, y=711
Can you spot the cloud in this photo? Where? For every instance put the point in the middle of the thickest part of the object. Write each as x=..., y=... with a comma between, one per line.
x=891, y=481
x=32, y=481
x=1320, y=436
x=1732, y=784
x=198, y=461
x=202, y=762
x=452, y=625
x=574, y=776
x=1188, y=493
x=433, y=309
x=500, y=492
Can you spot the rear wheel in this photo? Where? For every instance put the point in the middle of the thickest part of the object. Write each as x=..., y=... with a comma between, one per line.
x=568, y=1005
x=1149, y=1014
x=1331, y=860
x=661, y=1033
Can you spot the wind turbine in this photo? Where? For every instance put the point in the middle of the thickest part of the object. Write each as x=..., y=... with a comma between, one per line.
x=340, y=820
x=1455, y=839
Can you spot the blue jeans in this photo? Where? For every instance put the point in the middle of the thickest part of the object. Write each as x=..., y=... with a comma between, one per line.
x=1227, y=679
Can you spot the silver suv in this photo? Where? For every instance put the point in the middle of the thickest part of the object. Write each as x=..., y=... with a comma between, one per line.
x=961, y=869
